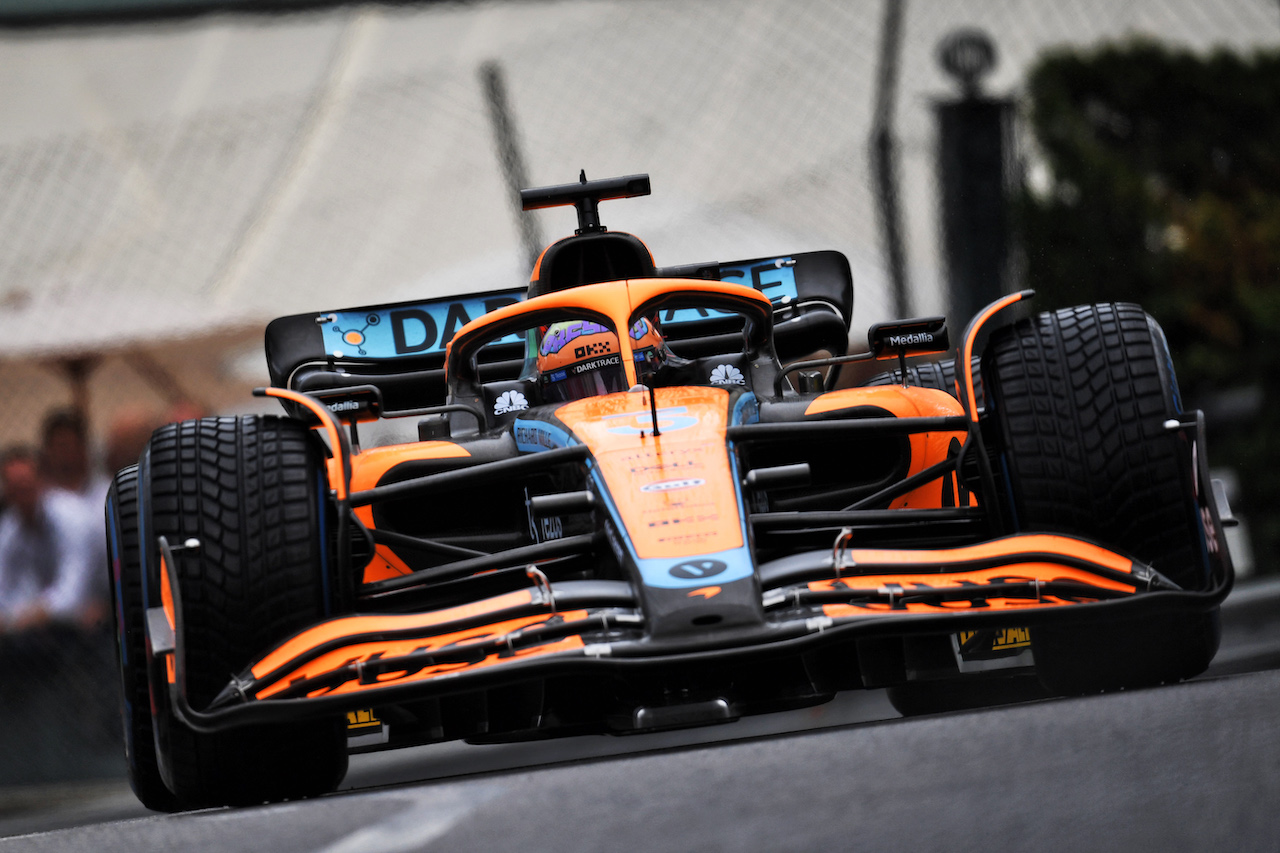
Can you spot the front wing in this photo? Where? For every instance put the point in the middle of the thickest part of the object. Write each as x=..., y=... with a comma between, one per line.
x=809, y=600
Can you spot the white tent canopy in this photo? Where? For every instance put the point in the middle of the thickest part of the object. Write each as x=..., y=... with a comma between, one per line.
x=184, y=178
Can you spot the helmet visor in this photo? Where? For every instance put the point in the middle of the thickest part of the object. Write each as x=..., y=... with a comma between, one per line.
x=603, y=375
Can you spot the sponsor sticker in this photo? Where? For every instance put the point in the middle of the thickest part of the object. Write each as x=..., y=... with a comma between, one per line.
x=1004, y=638
x=596, y=364
x=992, y=649
x=534, y=436
x=405, y=330
x=362, y=719
x=909, y=339
x=697, y=569
x=672, y=485
x=561, y=335
x=727, y=374
x=550, y=528
x=589, y=350
x=510, y=401
x=774, y=277
x=356, y=337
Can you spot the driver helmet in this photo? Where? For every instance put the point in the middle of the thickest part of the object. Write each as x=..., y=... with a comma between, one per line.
x=581, y=358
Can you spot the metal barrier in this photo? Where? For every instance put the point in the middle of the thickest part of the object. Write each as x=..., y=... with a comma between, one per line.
x=1250, y=628
x=59, y=706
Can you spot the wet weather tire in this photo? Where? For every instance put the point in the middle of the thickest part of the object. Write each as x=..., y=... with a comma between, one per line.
x=1077, y=400
x=124, y=569
x=940, y=375
x=249, y=489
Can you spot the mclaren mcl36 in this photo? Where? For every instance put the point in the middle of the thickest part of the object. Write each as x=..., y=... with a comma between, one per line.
x=644, y=497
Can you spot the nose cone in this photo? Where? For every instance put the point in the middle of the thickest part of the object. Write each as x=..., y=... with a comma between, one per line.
x=681, y=611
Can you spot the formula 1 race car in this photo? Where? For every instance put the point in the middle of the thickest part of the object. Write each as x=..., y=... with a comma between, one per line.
x=643, y=498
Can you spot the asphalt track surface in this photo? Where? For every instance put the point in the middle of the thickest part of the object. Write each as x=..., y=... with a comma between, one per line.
x=1184, y=767
x=1193, y=766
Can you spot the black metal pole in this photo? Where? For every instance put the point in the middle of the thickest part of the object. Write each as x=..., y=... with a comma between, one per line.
x=884, y=155
x=973, y=173
x=975, y=170
x=507, y=140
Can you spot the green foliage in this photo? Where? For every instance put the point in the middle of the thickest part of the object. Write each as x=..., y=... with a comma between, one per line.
x=1164, y=189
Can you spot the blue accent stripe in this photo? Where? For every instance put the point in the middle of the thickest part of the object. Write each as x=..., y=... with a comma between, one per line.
x=321, y=491
x=117, y=574
x=1173, y=381
x=538, y=436
x=143, y=551
x=116, y=571
x=745, y=411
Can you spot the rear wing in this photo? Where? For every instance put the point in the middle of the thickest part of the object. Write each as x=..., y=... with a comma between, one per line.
x=389, y=359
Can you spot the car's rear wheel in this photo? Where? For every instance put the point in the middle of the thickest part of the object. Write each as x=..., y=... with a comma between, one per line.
x=940, y=375
x=249, y=489
x=1077, y=401
x=125, y=580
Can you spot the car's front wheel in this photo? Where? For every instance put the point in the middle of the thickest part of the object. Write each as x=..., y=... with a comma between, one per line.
x=1077, y=405
x=249, y=489
x=125, y=580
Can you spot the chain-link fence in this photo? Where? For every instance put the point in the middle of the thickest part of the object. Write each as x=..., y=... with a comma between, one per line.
x=164, y=185
x=59, y=718
x=167, y=188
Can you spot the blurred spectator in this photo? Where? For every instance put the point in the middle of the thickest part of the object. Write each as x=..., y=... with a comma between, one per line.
x=64, y=453
x=184, y=410
x=56, y=655
x=127, y=437
x=64, y=462
x=50, y=561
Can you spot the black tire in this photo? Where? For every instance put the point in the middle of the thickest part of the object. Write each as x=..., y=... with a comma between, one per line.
x=1080, y=397
x=1076, y=405
x=248, y=488
x=940, y=375
x=124, y=577
x=913, y=698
